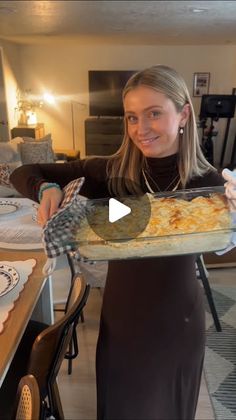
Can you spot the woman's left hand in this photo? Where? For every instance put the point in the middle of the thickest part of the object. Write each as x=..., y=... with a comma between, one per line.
x=230, y=186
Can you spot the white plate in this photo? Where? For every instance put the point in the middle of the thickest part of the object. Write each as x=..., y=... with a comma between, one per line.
x=9, y=278
x=7, y=207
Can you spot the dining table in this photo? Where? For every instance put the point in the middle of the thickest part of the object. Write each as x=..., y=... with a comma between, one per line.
x=34, y=300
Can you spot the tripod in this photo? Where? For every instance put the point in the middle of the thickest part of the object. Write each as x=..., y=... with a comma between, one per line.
x=207, y=139
x=215, y=107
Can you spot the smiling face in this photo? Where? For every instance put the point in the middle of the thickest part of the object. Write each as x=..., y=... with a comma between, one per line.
x=153, y=121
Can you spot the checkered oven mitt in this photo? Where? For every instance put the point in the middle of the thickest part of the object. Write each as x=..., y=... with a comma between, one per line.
x=59, y=231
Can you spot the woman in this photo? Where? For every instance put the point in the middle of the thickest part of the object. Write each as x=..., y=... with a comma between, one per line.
x=152, y=333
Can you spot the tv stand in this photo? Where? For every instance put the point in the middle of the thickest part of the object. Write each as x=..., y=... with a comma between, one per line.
x=103, y=135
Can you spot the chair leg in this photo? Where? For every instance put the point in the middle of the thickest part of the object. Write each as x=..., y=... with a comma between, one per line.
x=82, y=316
x=55, y=402
x=74, y=342
x=73, y=350
x=202, y=272
x=69, y=369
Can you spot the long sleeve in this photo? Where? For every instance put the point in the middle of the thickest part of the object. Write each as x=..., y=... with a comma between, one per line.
x=211, y=179
x=27, y=178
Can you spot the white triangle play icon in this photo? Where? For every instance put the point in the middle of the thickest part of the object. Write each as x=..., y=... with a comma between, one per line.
x=117, y=210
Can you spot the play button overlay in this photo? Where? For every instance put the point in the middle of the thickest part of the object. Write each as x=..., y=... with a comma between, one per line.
x=119, y=218
x=117, y=210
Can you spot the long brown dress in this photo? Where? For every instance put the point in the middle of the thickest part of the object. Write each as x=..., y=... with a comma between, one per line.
x=151, y=341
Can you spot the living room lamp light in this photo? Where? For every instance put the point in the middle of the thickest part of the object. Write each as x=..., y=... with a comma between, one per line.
x=49, y=98
x=31, y=118
x=31, y=114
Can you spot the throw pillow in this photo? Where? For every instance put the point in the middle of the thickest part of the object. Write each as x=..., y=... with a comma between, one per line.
x=36, y=151
x=5, y=171
x=8, y=153
x=15, y=143
x=47, y=139
x=6, y=192
x=5, y=174
x=9, y=160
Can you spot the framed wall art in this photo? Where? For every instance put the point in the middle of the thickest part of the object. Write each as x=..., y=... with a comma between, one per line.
x=201, y=82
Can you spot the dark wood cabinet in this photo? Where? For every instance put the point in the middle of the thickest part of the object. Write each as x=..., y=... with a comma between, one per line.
x=103, y=136
x=34, y=131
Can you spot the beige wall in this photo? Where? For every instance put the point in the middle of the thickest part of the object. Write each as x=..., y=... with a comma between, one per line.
x=12, y=77
x=63, y=69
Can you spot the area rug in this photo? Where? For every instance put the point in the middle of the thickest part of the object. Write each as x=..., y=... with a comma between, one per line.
x=220, y=358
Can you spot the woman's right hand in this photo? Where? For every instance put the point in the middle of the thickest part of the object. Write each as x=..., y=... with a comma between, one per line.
x=49, y=204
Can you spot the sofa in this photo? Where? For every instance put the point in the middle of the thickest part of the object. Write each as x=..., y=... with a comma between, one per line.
x=20, y=151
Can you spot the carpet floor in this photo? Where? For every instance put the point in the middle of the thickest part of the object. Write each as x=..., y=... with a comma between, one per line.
x=220, y=358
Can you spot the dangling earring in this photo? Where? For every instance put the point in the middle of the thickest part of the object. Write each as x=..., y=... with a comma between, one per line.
x=181, y=130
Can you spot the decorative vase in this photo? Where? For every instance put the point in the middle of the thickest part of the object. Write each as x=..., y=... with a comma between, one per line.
x=22, y=120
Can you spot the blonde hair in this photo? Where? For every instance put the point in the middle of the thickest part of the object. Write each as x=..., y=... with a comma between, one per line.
x=124, y=168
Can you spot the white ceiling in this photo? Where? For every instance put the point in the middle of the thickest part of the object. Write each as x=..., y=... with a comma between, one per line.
x=151, y=22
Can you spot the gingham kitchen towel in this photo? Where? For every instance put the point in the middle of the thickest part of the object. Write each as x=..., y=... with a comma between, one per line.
x=60, y=230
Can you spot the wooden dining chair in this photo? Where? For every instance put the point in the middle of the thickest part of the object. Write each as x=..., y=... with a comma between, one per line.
x=46, y=354
x=50, y=347
x=73, y=349
x=28, y=402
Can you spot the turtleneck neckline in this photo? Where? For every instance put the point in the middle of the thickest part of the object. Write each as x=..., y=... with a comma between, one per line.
x=161, y=172
x=163, y=162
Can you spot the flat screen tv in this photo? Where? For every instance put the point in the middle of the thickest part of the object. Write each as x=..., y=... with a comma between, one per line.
x=217, y=106
x=105, y=92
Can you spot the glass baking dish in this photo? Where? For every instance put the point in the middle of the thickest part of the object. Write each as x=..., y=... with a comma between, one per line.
x=190, y=221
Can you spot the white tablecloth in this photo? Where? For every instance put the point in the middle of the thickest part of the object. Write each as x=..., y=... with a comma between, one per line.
x=18, y=230
x=8, y=301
